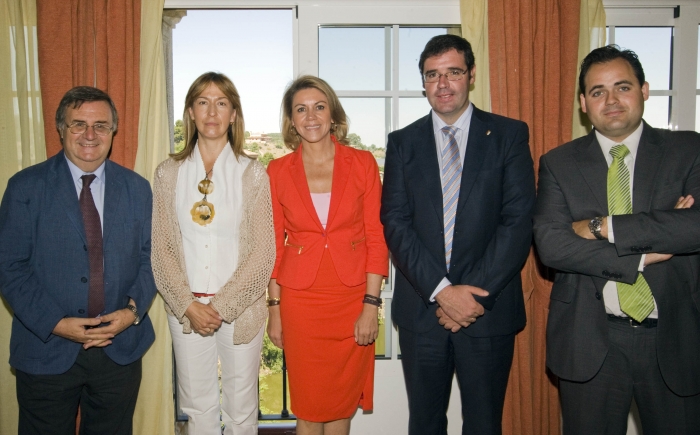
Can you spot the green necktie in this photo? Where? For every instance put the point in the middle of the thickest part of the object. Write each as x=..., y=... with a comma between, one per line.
x=635, y=300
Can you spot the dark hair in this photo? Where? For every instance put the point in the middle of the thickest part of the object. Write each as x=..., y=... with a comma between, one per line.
x=235, y=132
x=76, y=97
x=605, y=55
x=340, y=120
x=443, y=43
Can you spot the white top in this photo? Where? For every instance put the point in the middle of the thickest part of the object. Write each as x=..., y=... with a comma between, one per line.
x=322, y=202
x=610, y=297
x=211, y=251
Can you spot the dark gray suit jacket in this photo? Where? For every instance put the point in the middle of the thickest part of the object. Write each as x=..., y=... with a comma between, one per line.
x=573, y=187
x=493, y=227
x=44, y=265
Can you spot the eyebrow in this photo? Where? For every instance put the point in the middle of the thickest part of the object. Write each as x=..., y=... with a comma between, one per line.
x=621, y=82
x=317, y=102
x=85, y=122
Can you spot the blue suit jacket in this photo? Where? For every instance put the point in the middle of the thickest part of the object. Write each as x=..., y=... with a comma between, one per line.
x=44, y=262
x=493, y=227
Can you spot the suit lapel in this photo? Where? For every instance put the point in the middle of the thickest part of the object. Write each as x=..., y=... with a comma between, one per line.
x=342, y=164
x=112, y=200
x=296, y=171
x=62, y=180
x=427, y=161
x=478, y=144
x=591, y=162
x=649, y=155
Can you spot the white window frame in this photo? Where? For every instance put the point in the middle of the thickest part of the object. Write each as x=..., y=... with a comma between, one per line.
x=639, y=13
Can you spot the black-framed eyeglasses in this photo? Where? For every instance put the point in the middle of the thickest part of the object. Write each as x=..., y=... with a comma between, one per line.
x=451, y=75
x=80, y=127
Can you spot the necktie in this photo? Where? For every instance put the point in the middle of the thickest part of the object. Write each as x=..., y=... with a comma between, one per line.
x=451, y=178
x=635, y=300
x=93, y=233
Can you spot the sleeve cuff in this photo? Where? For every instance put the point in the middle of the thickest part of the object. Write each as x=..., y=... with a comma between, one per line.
x=611, y=234
x=444, y=283
x=641, y=263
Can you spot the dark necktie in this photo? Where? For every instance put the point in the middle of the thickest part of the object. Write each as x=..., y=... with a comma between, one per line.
x=93, y=232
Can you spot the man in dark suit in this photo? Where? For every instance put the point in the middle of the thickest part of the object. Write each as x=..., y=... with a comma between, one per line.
x=75, y=246
x=612, y=204
x=456, y=207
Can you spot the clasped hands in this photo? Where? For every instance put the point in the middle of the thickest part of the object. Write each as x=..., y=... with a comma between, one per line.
x=204, y=319
x=457, y=306
x=88, y=330
x=581, y=229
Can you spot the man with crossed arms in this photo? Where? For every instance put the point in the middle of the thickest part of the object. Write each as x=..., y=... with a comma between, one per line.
x=615, y=216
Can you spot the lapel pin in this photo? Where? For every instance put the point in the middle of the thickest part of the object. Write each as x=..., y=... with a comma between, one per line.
x=488, y=132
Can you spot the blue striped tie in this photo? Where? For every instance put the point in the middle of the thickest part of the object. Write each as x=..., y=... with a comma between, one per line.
x=451, y=178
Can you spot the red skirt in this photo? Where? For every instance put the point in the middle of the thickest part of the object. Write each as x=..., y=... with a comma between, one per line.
x=329, y=374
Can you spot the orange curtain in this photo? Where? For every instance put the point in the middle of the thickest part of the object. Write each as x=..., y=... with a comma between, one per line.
x=91, y=43
x=533, y=49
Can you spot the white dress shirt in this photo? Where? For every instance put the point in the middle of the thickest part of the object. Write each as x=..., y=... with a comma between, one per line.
x=97, y=187
x=461, y=127
x=211, y=251
x=612, y=301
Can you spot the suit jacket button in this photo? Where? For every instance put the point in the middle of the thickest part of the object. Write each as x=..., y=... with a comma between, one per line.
x=83, y=279
x=597, y=295
x=81, y=311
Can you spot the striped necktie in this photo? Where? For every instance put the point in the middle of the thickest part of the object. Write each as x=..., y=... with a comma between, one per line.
x=451, y=177
x=636, y=300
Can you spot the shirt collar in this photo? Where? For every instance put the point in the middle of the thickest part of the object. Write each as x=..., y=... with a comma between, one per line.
x=461, y=124
x=76, y=172
x=631, y=141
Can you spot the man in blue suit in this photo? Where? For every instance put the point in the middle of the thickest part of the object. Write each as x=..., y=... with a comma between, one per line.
x=457, y=202
x=75, y=246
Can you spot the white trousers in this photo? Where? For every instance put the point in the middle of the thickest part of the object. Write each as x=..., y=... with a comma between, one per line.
x=198, y=383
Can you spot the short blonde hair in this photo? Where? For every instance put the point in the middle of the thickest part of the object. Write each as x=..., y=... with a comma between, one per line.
x=289, y=134
x=235, y=133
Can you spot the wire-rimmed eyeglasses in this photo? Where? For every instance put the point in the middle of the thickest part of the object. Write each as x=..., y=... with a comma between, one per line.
x=80, y=127
x=451, y=75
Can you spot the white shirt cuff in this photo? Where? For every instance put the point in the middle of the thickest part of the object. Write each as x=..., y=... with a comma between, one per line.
x=611, y=234
x=641, y=263
x=444, y=283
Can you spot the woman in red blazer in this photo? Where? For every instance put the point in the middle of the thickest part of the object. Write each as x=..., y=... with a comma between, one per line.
x=331, y=259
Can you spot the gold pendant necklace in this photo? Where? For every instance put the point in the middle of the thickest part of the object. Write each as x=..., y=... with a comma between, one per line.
x=203, y=211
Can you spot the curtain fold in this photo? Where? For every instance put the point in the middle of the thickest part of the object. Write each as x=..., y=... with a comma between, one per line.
x=154, y=412
x=474, y=18
x=21, y=145
x=591, y=36
x=92, y=43
x=533, y=48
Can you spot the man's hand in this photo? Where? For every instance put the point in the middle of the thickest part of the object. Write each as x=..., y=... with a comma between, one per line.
x=683, y=202
x=458, y=303
x=446, y=321
x=203, y=318
x=75, y=329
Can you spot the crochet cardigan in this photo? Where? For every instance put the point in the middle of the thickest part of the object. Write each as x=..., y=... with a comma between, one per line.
x=242, y=298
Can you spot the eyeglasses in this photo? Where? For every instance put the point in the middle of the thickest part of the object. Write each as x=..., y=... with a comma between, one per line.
x=452, y=75
x=80, y=127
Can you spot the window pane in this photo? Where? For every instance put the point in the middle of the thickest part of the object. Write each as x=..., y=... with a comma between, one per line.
x=412, y=41
x=653, y=46
x=697, y=113
x=368, y=120
x=698, y=85
x=412, y=109
x=656, y=111
x=355, y=58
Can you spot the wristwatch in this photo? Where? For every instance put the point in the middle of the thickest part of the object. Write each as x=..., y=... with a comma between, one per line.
x=595, y=226
x=133, y=309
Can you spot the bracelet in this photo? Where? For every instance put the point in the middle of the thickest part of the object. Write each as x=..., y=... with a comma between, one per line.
x=273, y=301
x=372, y=300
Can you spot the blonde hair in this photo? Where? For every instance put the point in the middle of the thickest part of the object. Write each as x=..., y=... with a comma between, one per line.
x=235, y=133
x=289, y=134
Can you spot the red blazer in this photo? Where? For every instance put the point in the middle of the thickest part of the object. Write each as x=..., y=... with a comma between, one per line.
x=353, y=233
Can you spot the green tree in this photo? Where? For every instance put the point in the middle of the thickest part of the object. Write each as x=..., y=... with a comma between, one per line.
x=354, y=140
x=246, y=134
x=266, y=159
x=179, y=135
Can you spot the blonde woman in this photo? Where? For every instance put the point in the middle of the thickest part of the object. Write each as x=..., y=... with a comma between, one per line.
x=213, y=252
